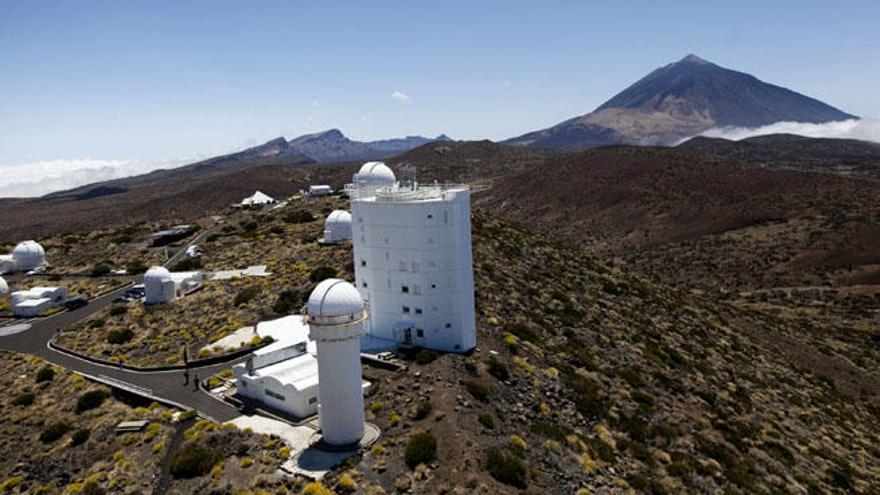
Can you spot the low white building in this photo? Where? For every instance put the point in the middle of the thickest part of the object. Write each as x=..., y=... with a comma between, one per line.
x=162, y=286
x=320, y=190
x=283, y=375
x=257, y=199
x=27, y=255
x=32, y=302
x=337, y=227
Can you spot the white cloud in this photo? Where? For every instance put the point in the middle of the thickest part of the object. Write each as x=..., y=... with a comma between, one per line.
x=507, y=84
x=39, y=178
x=863, y=129
x=400, y=96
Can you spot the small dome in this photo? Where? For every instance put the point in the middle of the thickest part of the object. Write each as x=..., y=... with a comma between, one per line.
x=335, y=297
x=375, y=174
x=158, y=274
x=4, y=287
x=29, y=255
x=338, y=219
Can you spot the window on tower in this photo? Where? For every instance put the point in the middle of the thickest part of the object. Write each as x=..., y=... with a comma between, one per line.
x=406, y=309
x=404, y=289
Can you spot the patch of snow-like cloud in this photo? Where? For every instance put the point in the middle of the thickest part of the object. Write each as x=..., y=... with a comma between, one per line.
x=400, y=96
x=43, y=177
x=862, y=129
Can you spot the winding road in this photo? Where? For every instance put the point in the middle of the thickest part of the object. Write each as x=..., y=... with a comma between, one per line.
x=168, y=387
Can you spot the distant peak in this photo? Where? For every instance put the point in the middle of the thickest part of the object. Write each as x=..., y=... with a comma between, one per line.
x=332, y=133
x=693, y=59
x=442, y=137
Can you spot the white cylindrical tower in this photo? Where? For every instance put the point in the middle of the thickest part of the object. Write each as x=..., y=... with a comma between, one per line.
x=336, y=317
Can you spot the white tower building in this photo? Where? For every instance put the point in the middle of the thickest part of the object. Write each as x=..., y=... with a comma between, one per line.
x=337, y=227
x=336, y=316
x=413, y=261
x=158, y=286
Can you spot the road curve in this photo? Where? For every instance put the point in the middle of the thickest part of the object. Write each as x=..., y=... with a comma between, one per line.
x=164, y=386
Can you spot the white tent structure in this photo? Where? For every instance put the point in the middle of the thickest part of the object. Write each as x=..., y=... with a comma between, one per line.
x=162, y=286
x=257, y=199
x=337, y=227
x=336, y=323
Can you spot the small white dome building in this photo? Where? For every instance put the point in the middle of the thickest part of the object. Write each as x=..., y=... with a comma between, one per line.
x=374, y=174
x=4, y=287
x=337, y=227
x=159, y=287
x=336, y=315
x=28, y=255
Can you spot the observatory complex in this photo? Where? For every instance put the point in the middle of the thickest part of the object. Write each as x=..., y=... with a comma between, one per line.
x=412, y=259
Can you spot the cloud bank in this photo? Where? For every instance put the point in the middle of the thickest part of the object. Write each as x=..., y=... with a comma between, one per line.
x=39, y=178
x=863, y=129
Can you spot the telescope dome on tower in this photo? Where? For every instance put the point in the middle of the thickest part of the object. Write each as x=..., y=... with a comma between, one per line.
x=335, y=298
x=375, y=174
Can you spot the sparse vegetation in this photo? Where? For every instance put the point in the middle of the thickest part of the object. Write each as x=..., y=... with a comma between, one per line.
x=193, y=460
x=421, y=449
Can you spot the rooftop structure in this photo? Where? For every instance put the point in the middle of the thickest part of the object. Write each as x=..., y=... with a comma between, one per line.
x=336, y=315
x=337, y=227
x=413, y=260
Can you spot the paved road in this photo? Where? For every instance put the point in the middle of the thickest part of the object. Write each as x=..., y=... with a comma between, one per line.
x=164, y=386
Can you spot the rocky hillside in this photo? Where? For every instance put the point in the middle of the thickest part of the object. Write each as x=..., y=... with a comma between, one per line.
x=587, y=379
x=680, y=100
x=591, y=380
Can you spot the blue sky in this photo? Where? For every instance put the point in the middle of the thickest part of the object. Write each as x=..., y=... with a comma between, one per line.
x=177, y=80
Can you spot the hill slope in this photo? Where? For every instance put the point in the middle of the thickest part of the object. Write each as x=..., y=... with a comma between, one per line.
x=791, y=151
x=680, y=100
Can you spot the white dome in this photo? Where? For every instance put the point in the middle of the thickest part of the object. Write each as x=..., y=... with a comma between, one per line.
x=29, y=255
x=337, y=226
x=338, y=218
x=375, y=174
x=157, y=274
x=4, y=287
x=335, y=297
